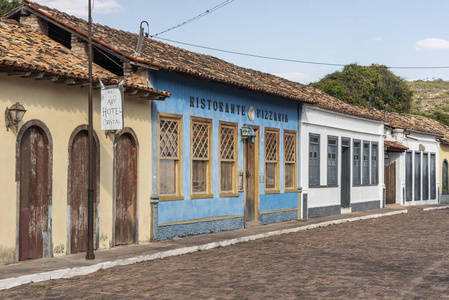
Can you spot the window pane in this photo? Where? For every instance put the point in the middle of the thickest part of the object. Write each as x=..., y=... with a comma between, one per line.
x=167, y=177
x=288, y=175
x=199, y=175
x=270, y=175
x=226, y=177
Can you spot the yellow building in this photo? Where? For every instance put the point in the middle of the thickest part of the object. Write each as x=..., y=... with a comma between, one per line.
x=43, y=191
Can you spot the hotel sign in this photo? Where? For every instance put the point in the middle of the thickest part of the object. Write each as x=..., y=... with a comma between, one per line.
x=112, y=107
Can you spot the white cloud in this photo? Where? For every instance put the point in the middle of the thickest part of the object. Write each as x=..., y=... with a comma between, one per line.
x=431, y=44
x=298, y=77
x=376, y=39
x=79, y=7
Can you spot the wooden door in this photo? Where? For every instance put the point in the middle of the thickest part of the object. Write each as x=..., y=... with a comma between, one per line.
x=34, y=193
x=126, y=190
x=390, y=183
x=78, y=186
x=345, y=196
x=251, y=156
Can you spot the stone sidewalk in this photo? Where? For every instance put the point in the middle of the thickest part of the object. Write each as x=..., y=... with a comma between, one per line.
x=75, y=265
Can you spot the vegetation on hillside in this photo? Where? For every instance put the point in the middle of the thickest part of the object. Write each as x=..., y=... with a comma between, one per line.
x=6, y=6
x=431, y=99
x=357, y=84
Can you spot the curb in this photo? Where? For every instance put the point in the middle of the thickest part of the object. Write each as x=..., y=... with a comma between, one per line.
x=79, y=271
x=436, y=207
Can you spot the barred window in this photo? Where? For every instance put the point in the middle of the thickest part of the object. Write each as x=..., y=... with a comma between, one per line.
x=201, y=143
x=170, y=129
x=228, y=136
x=290, y=160
x=272, y=159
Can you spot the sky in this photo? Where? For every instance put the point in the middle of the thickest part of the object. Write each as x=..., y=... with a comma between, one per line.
x=395, y=33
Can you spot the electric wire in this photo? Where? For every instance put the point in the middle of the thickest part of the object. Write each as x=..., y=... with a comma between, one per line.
x=294, y=60
x=197, y=17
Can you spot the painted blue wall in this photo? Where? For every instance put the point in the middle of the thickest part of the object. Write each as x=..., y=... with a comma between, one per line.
x=182, y=89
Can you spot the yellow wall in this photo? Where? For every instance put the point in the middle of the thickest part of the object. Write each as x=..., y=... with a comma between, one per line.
x=62, y=108
x=444, y=154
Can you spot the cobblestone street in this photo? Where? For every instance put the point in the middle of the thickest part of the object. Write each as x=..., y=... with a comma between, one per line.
x=398, y=257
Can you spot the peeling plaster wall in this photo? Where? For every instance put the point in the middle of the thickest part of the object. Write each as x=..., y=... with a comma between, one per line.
x=62, y=108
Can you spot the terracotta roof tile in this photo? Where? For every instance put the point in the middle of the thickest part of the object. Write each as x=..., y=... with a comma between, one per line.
x=25, y=49
x=415, y=123
x=395, y=146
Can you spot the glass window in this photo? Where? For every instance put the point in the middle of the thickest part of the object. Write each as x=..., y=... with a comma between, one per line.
x=356, y=164
x=365, y=164
x=201, y=155
x=290, y=160
x=445, y=177
x=332, y=165
x=425, y=176
x=271, y=159
x=433, y=178
x=408, y=175
x=228, y=158
x=314, y=160
x=169, y=155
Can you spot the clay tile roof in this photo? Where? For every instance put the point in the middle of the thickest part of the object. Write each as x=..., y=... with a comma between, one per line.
x=395, y=146
x=174, y=59
x=415, y=123
x=25, y=49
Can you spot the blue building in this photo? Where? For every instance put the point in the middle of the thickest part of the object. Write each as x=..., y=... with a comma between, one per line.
x=207, y=175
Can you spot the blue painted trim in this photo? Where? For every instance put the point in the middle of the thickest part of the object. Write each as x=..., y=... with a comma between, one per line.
x=180, y=230
x=277, y=217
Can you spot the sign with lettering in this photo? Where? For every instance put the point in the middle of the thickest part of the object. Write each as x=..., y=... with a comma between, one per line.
x=231, y=108
x=112, y=107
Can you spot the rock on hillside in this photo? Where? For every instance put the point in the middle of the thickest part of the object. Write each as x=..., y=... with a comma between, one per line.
x=430, y=96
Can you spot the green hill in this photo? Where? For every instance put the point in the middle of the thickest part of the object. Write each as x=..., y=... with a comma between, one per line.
x=431, y=99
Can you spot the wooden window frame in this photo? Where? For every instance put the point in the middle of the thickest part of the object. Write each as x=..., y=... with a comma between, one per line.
x=330, y=168
x=178, y=193
x=208, y=192
x=366, y=170
x=409, y=175
x=356, y=171
x=374, y=164
x=425, y=176
x=276, y=189
x=234, y=192
x=433, y=176
x=293, y=188
x=417, y=175
x=314, y=135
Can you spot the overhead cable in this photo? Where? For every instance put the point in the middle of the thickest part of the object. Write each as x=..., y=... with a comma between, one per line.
x=294, y=60
x=197, y=17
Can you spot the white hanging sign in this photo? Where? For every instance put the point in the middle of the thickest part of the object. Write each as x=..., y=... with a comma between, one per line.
x=112, y=107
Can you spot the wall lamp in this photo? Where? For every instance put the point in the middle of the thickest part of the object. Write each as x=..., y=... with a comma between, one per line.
x=14, y=115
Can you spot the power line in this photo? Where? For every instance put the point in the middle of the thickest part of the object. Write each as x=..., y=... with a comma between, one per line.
x=293, y=60
x=197, y=17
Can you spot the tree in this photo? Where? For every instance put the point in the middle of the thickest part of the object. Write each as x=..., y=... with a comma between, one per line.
x=356, y=84
x=6, y=6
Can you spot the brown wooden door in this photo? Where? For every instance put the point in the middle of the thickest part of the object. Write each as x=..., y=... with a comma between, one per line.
x=390, y=183
x=126, y=190
x=78, y=186
x=34, y=193
x=250, y=154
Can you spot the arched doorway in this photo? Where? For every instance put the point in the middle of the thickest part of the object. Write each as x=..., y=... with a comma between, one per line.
x=77, y=187
x=125, y=166
x=34, y=174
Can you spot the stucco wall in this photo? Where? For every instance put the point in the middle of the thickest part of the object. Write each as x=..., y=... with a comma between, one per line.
x=326, y=123
x=62, y=108
x=444, y=155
